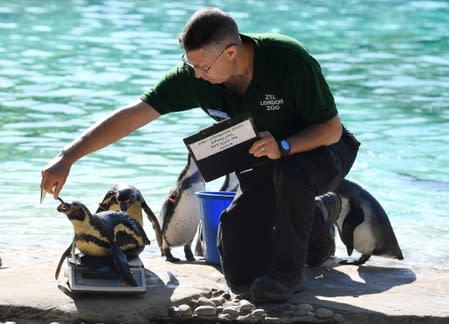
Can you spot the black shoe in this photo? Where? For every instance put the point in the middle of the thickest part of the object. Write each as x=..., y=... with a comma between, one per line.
x=276, y=286
x=323, y=245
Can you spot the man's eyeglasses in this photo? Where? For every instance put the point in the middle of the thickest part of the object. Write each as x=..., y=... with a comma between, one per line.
x=204, y=69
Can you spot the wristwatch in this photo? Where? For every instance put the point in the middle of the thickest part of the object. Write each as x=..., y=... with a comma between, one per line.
x=285, y=147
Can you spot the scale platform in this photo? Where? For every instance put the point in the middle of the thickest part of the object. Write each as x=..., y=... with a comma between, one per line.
x=101, y=277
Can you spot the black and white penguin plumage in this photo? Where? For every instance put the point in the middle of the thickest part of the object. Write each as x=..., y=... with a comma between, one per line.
x=180, y=213
x=363, y=224
x=129, y=199
x=108, y=233
x=230, y=183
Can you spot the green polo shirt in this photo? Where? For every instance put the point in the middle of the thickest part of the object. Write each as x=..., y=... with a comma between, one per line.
x=288, y=91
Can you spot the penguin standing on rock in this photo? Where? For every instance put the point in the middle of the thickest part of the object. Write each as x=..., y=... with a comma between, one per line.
x=108, y=233
x=129, y=199
x=363, y=225
x=180, y=213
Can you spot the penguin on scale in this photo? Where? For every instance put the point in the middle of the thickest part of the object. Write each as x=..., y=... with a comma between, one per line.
x=109, y=242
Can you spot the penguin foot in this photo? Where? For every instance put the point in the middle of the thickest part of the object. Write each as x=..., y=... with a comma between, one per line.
x=358, y=262
x=169, y=257
x=188, y=253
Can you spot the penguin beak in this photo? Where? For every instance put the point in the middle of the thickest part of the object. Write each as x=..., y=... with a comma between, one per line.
x=124, y=206
x=63, y=207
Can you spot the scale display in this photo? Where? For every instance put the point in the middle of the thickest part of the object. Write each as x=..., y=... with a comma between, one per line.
x=105, y=278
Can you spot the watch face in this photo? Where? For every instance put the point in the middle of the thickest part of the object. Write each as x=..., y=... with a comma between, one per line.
x=285, y=145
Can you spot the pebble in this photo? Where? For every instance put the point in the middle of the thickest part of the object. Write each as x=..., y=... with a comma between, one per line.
x=259, y=312
x=225, y=317
x=272, y=319
x=232, y=311
x=246, y=307
x=172, y=311
x=205, y=310
x=185, y=310
x=218, y=300
x=249, y=318
x=203, y=301
x=339, y=318
x=220, y=308
x=324, y=313
x=300, y=312
x=305, y=307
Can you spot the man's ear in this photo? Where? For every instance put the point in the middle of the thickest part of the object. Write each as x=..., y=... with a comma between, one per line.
x=231, y=52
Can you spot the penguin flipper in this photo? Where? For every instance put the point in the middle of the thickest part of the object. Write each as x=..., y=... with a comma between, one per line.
x=106, y=202
x=121, y=264
x=199, y=248
x=61, y=260
x=154, y=222
x=354, y=218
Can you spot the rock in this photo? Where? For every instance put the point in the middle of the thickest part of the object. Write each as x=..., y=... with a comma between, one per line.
x=305, y=307
x=246, y=307
x=300, y=312
x=185, y=310
x=260, y=312
x=232, y=311
x=205, y=310
x=218, y=300
x=339, y=318
x=324, y=313
x=272, y=320
x=172, y=311
x=217, y=292
x=249, y=318
x=225, y=317
x=203, y=301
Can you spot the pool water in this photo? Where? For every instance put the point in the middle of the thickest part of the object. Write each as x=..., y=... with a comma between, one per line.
x=65, y=64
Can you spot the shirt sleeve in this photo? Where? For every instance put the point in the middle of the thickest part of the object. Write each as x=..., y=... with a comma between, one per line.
x=313, y=92
x=172, y=92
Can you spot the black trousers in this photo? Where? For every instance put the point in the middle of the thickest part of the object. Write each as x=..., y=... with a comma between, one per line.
x=268, y=226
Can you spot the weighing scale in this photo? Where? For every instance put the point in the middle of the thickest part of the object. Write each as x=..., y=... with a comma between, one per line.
x=88, y=274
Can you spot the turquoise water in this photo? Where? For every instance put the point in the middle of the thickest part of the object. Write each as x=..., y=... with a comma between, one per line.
x=65, y=64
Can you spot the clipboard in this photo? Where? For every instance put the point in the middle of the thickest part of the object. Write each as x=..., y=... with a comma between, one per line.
x=223, y=147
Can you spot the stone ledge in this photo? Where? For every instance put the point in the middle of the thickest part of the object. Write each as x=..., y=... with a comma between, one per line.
x=381, y=291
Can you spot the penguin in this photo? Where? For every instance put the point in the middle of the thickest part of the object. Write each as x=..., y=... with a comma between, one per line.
x=363, y=225
x=128, y=198
x=113, y=233
x=180, y=213
x=230, y=183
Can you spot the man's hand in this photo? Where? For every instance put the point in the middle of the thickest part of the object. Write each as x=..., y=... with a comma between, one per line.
x=266, y=146
x=54, y=176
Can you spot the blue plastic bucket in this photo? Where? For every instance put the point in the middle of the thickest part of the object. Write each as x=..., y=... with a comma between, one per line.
x=212, y=204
